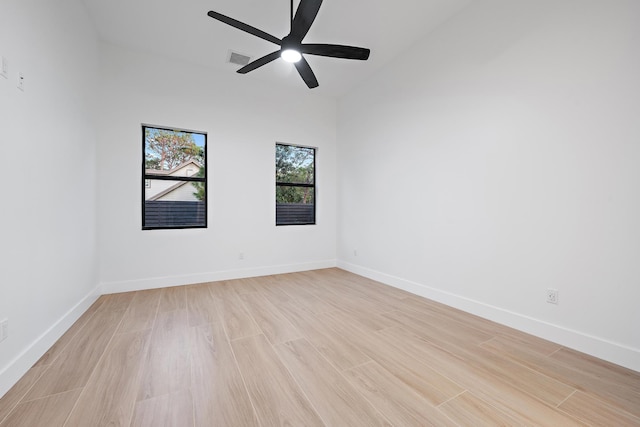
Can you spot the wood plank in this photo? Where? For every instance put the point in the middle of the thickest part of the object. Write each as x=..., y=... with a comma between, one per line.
x=276, y=294
x=276, y=398
x=594, y=411
x=50, y=411
x=537, y=345
x=248, y=284
x=108, y=399
x=201, y=305
x=300, y=297
x=116, y=302
x=60, y=345
x=170, y=410
x=394, y=399
x=368, y=293
x=339, y=350
x=167, y=368
x=237, y=322
x=363, y=317
x=415, y=373
x=276, y=327
x=546, y=389
x=492, y=328
x=351, y=301
x=173, y=298
x=141, y=312
x=335, y=399
x=223, y=288
x=530, y=344
x=599, y=368
x=76, y=363
x=495, y=391
x=219, y=395
x=466, y=410
x=447, y=333
x=462, y=341
x=361, y=310
x=371, y=286
x=19, y=390
x=309, y=302
x=602, y=386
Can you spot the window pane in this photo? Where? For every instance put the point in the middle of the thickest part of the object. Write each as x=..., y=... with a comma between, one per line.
x=301, y=195
x=170, y=152
x=174, y=175
x=295, y=164
x=174, y=204
x=295, y=205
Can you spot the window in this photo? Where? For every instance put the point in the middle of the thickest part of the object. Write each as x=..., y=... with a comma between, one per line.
x=174, y=178
x=295, y=185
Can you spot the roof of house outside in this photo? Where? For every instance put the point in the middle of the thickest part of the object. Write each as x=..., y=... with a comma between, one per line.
x=172, y=172
x=167, y=191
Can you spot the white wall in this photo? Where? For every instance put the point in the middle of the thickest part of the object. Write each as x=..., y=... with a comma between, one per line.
x=243, y=119
x=500, y=156
x=48, y=272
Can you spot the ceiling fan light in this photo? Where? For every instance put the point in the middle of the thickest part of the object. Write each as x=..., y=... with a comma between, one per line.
x=291, y=55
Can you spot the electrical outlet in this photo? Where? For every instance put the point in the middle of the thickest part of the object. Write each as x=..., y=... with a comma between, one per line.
x=355, y=252
x=552, y=296
x=4, y=329
x=21, y=81
x=241, y=255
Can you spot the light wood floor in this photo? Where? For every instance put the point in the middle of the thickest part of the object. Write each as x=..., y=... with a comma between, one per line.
x=316, y=348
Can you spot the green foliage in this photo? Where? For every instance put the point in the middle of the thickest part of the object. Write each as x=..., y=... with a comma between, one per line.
x=294, y=165
x=152, y=163
x=294, y=195
x=199, y=186
x=166, y=149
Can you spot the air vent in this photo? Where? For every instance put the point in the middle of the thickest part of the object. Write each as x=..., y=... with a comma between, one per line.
x=238, y=58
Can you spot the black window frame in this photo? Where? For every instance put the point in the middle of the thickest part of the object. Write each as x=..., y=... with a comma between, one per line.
x=300, y=185
x=151, y=177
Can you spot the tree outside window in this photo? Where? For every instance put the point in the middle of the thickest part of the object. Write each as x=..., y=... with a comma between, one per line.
x=295, y=185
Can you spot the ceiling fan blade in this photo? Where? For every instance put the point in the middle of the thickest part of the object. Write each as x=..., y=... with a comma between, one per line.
x=336, y=51
x=259, y=62
x=305, y=15
x=306, y=73
x=244, y=27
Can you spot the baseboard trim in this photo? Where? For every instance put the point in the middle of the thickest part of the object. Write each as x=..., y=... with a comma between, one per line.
x=19, y=366
x=187, y=279
x=604, y=349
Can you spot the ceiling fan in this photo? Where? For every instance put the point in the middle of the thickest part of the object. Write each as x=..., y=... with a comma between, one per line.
x=291, y=46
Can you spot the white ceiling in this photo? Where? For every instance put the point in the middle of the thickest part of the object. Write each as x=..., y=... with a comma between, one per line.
x=182, y=31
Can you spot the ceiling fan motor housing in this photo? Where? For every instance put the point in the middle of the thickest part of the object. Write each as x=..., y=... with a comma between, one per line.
x=289, y=43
